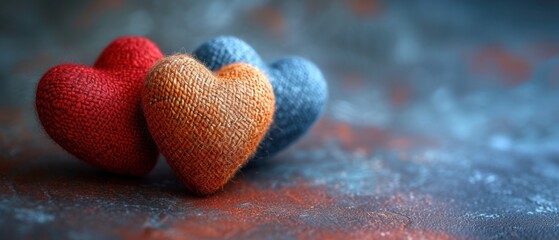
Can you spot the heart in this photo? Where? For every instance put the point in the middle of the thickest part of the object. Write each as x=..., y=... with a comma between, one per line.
x=206, y=125
x=299, y=87
x=95, y=113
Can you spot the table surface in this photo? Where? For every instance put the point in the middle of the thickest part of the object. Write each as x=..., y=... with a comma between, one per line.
x=441, y=123
x=340, y=181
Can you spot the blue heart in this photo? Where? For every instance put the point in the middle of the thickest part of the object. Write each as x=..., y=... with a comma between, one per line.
x=299, y=86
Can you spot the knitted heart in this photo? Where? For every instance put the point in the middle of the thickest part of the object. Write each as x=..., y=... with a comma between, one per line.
x=207, y=126
x=299, y=87
x=95, y=113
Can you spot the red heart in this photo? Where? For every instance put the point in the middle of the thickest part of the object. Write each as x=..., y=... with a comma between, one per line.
x=94, y=112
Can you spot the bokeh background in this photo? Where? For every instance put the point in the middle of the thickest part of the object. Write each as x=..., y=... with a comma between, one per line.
x=441, y=123
x=479, y=71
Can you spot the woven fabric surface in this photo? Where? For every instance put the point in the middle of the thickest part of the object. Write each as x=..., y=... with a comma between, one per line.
x=95, y=112
x=206, y=125
x=299, y=87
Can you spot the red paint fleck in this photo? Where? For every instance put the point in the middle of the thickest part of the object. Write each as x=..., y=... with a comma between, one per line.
x=400, y=95
x=10, y=116
x=363, y=139
x=316, y=6
x=365, y=8
x=510, y=68
x=344, y=133
x=553, y=76
x=400, y=143
x=545, y=50
x=270, y=18
x=353, y=81
x=94, y=9
x=33, y=64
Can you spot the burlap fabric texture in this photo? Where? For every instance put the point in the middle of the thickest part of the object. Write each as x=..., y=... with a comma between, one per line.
x=299, y=87
x=94, y=112
x=206, y=125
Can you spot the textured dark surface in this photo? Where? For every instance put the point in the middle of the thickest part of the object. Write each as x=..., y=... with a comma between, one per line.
x=442, y=123
x=341, y=181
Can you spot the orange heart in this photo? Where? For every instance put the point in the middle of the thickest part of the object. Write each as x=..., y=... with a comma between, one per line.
x=206, y=125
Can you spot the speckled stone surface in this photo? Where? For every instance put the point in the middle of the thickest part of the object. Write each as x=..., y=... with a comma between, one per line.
x=441, y=123
x=368, y=183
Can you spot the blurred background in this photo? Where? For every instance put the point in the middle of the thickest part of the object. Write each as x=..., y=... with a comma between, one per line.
x=481, y=72
x=442, y=122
